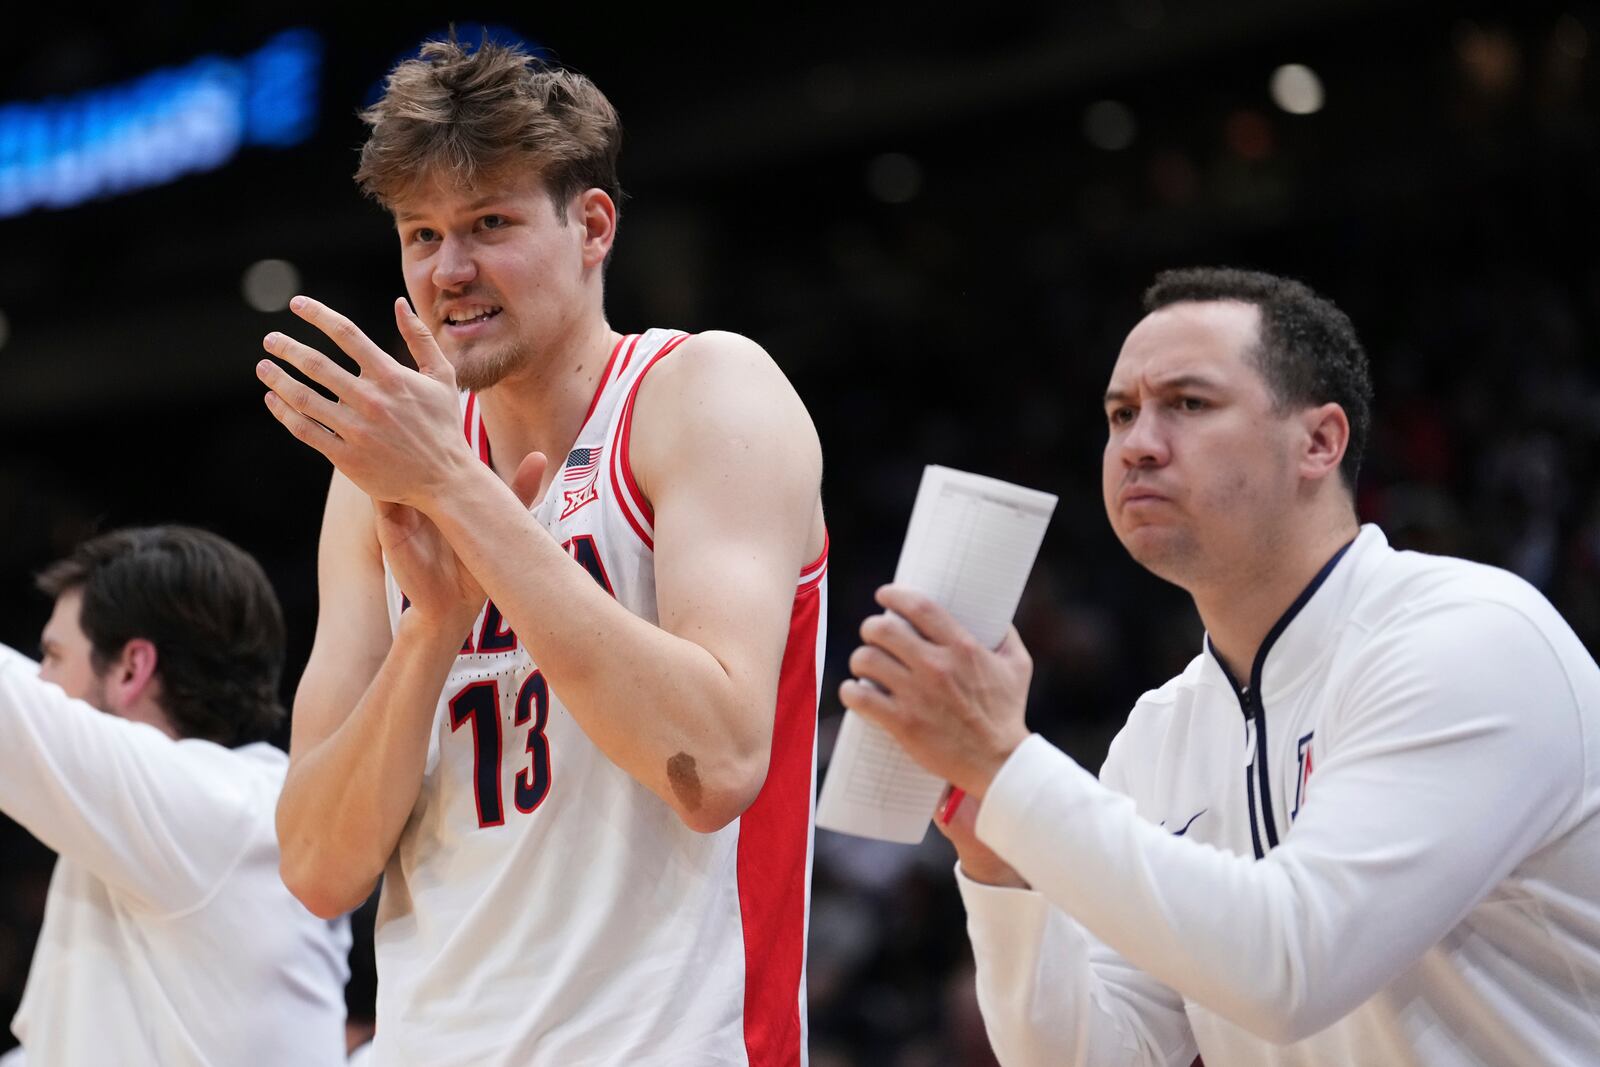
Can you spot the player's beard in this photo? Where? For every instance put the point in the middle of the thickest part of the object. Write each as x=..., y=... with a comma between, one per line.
x=481, y=369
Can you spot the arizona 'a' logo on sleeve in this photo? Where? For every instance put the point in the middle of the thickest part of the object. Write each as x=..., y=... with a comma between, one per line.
x=578, y=477
x=1303, y=777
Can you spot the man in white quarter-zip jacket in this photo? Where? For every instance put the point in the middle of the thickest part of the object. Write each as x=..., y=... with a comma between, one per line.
x=1362, y=827
x=134, y=751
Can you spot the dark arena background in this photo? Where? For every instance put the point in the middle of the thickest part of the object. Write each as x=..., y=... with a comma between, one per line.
x=937, y=218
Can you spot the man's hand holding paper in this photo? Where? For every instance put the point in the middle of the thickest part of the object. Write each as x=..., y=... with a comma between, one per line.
x=954, y=706
x=969, y=546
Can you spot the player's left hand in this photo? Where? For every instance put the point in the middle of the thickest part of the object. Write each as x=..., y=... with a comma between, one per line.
x=954, y=705
x=393, y=431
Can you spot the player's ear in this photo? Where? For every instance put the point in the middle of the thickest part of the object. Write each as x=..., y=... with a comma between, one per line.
x=597, y=213
x=1327, y=435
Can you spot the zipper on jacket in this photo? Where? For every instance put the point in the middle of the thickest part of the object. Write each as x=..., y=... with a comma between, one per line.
x=1254, y=711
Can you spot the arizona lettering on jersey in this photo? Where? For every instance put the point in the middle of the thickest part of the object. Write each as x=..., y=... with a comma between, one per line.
x=545, y=908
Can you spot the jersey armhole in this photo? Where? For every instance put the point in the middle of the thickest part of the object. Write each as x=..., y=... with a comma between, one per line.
x=811, y=574
x=635, y=508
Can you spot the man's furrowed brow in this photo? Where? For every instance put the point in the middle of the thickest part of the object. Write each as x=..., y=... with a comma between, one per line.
x=1177, y=383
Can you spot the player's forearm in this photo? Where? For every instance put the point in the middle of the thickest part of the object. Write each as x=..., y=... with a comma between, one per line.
x=659, y=706
x=347, y=798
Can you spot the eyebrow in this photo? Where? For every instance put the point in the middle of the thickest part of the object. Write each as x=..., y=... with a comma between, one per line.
x=477, y=205
x=1167, y=385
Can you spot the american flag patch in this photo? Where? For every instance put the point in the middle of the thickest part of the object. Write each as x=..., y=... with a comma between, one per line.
x=581, y=464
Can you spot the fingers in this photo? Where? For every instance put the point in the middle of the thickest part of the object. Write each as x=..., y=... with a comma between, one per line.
x=344, y=333
x=879, y=667
x=424, y=348
x=530, y=475
x=300, y=398
x=305, y=430
x=313, y=364
x=897, y=637
x=866, y=699
x=1012, y=650
x=932, y=622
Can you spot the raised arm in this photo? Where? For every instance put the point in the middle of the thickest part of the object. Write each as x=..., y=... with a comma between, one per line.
x=363, y=714
x=159, y=820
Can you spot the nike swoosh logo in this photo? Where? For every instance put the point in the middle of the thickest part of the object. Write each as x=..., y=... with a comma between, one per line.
x=1192, y=818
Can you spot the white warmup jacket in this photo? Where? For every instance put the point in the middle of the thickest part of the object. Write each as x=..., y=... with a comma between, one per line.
x=169, y=939
x=1385, y=849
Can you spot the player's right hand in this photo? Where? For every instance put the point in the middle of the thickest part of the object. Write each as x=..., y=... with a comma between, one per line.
x=978, y=861
x=426, y=567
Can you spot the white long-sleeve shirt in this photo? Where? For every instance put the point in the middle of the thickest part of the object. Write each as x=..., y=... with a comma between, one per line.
x=1384, y=849
x=169, y=938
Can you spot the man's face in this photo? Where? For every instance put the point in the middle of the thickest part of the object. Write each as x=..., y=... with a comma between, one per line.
x=65, y=652
x=1198, y=469
x=492, y=270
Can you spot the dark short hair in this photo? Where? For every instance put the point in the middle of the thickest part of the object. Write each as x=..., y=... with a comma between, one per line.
x=207, y=607
x=458, y=112
x=1307, y=350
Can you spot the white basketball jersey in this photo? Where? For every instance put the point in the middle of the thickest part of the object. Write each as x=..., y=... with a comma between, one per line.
x=543, y=907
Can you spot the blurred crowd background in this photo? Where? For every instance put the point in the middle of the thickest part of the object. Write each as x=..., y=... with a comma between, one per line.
x=938, y=218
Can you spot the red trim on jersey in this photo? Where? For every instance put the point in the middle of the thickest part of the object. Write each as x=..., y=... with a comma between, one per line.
x=774, y=837
x=625, y=443
x=630, y=501
x=629, y=357
x=467, y=422
x=483, y=443
x=624, y=505
x=605, y=376
x=812, y=573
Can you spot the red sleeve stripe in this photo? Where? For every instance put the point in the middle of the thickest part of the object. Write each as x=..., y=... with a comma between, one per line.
x=635, y=508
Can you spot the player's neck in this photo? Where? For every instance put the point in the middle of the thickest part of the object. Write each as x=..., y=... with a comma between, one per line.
x=1240, y=609
x=541, y=407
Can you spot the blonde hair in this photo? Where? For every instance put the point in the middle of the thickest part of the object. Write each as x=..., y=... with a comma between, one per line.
x=458, y=115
